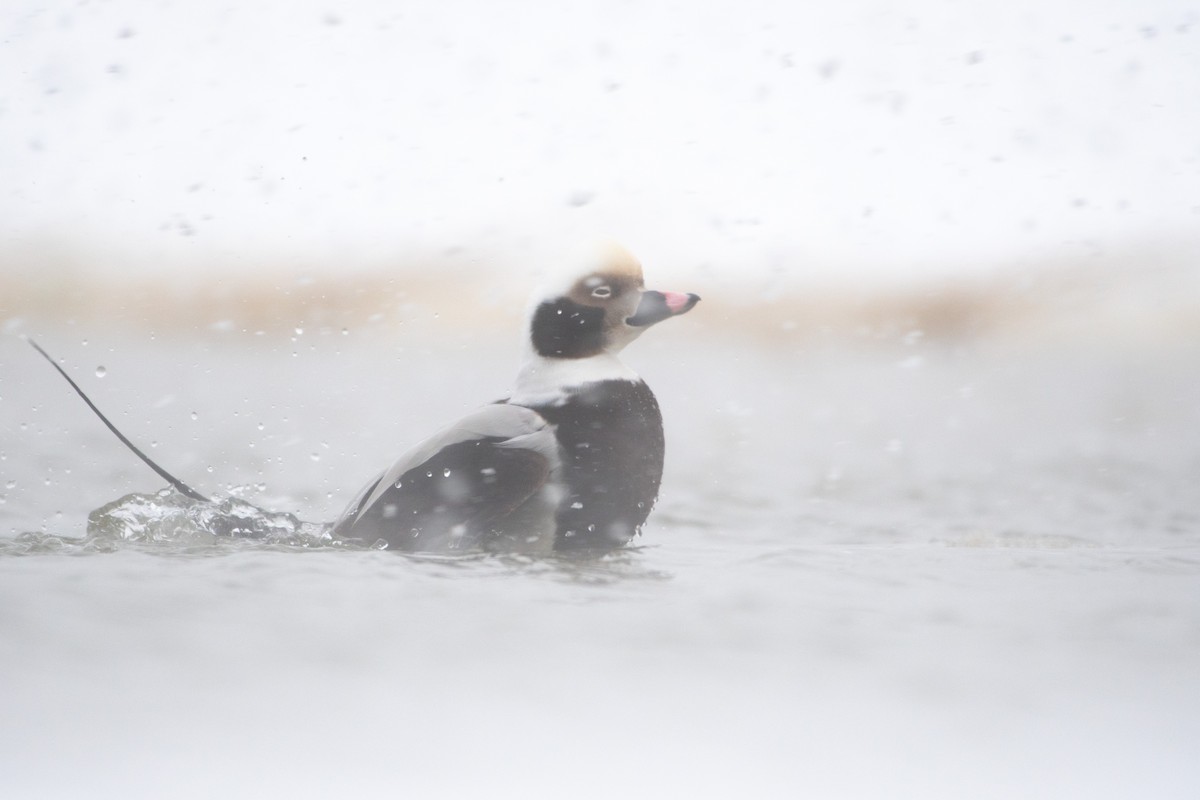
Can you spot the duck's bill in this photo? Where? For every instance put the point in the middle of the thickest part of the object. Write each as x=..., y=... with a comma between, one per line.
x=657, y=306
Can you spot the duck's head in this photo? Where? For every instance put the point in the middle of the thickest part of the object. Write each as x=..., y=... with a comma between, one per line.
x=601, y=308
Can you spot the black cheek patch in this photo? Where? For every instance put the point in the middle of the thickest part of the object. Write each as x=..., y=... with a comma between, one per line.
x=566, y=329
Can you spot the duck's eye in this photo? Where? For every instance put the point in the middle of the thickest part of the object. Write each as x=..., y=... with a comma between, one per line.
x=602, y=292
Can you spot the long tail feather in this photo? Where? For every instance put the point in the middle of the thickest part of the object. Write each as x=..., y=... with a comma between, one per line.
x=179, y=485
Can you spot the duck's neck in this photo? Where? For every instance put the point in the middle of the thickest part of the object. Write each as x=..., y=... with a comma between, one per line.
x=545, y=381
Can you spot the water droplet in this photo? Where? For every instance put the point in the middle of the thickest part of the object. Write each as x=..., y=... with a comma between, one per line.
x=315, y=456
x=446, y=473
x=345, y=331
x=209, y=468
x=260, y=426
x=299, y=331
x=101, y=372
x=195, y=416
x=84, y=342
x=10, y=485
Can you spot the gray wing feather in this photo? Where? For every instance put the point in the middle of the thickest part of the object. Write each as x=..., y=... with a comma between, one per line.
x=516, y=426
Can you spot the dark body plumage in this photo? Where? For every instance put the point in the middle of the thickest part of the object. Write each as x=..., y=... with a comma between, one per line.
x=611, y=443
x=572, y=461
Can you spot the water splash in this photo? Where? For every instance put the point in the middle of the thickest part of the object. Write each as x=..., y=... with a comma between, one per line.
x=170, y=523
x=173, y=522
x=170, y=517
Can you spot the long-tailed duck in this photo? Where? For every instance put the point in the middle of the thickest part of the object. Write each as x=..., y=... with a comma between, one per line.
x=571, y=461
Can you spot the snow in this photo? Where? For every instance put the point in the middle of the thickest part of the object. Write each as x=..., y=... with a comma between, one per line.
x=855, y=138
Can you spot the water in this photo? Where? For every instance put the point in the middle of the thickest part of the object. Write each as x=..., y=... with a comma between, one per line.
x=906, y=568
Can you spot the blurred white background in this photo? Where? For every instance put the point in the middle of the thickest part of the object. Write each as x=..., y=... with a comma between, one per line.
x=867, y=140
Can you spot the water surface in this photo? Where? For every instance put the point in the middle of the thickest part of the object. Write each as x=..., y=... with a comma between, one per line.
x=888, y=569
